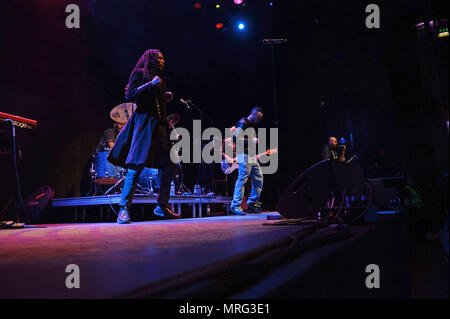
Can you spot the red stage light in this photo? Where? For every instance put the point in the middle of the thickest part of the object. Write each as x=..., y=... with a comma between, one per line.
x=219, y=25
x=39, y=196
x=197, y=5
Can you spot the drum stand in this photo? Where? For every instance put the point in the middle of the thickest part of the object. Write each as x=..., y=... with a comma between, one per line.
x=92, y=178
x=138, y=186
x=147, y=191
x=183, y=187
x=181, y=179
x=115, y=185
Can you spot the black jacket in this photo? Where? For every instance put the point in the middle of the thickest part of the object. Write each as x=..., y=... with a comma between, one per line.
x=137, y=143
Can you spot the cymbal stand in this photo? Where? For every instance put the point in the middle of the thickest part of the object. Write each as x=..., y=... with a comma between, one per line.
x=92, y=173
x=115, y=185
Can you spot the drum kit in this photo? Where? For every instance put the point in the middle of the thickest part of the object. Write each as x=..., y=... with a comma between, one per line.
x=105, y=174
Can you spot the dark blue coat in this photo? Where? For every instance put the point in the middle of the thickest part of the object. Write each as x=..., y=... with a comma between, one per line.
x=140, y=139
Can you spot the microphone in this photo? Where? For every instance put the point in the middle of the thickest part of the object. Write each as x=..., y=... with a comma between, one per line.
x=273, y=41
x=186, y=103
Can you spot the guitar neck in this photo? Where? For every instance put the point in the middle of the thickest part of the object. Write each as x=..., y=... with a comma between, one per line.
x=263, y=153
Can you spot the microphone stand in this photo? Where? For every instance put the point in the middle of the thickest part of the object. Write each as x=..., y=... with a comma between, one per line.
x=180, y=173
x=272, y=43
x=202, y=114
x=191, y=106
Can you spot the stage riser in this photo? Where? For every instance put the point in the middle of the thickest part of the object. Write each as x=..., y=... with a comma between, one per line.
x=82, y=207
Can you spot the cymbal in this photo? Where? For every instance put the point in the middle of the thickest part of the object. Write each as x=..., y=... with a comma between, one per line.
x=173, y=119
x=122, y=112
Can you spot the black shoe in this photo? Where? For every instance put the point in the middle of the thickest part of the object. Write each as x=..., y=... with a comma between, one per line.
x=237, y=210
x=165, y=212
x=256, y=208
x=123, y=217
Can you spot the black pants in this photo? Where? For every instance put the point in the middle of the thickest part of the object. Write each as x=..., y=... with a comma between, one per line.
x=166, y=166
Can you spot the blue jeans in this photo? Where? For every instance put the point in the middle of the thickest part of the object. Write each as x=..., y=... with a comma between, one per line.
x=246, y=170
x=129, y=186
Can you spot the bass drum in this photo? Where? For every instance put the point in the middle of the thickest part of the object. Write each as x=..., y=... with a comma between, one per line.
x=105, y=172
x=149, y=178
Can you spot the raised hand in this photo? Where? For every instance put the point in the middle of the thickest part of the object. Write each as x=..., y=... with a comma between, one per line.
x=156, y=80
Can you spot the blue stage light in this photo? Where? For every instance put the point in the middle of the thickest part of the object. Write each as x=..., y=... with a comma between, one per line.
x=241, y=26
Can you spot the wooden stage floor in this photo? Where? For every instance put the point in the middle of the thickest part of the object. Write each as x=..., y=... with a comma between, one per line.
x=116, y=259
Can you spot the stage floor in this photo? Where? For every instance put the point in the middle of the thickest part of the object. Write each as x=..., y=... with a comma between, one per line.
x=116, y=258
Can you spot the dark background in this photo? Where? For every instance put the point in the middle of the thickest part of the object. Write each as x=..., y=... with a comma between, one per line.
x=387, y=87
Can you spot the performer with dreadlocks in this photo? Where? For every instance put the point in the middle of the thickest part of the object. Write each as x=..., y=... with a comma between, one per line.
x=144, y=141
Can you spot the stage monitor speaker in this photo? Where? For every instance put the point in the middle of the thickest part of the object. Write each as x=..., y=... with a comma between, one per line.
x=311, y=190
x=36, y=204
x=383, y=197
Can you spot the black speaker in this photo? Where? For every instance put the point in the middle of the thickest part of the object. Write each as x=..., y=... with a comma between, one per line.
x=37, y=203
x=311, y=190
x=383, y=197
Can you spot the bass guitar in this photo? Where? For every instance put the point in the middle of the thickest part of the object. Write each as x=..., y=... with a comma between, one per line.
x=229, y=165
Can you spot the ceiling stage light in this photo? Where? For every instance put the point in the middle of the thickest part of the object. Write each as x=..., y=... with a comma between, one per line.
x=443, y=33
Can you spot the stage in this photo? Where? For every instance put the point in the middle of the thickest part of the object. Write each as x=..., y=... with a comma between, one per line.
x=332, y=116
x=140, y=201
x=211, y=257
